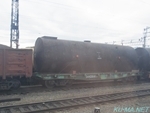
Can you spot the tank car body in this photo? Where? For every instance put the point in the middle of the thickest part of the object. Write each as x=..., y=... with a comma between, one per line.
x=81, y=60
x=144, y=58
x=144, y=62
x=61, y=56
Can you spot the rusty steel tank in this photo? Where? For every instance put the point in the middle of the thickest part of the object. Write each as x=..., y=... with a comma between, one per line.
x=62, y=56
x=144, y=58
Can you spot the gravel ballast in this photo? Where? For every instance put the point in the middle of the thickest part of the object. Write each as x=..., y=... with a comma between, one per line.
x=55, y=95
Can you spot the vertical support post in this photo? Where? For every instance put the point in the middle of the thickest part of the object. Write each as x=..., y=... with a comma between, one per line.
x=122, y=42
x=14, y=32
x=97, y=110
x=145, y=35
x=4, y=64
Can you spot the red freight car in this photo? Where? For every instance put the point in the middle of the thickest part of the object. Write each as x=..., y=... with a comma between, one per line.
x=15, y=64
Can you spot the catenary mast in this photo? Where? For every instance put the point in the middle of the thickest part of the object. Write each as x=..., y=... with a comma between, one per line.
x=14, y=34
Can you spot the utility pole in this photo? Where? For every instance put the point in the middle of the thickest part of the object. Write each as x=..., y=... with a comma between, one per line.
x=14, y=35
x=145, y=35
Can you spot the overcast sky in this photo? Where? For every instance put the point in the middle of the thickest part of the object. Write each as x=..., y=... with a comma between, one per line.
x=96, y=20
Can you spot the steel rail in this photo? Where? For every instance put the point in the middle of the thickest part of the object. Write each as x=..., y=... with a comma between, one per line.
x=39, y=88
x=72, y=102
x=9, y=99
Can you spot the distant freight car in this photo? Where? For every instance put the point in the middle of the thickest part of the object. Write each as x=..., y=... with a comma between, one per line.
x=144, y=61
x=14, y=65
x=81, y=60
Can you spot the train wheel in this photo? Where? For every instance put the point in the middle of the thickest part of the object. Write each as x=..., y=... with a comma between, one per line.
x=16, y=84
x=49, y=83
x=61, y=82
x=70, y=82
x=135, y=78
x=132, y=79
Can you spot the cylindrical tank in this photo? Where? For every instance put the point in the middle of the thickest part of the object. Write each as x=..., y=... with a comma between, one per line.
x=62, y=56
x=143, y=59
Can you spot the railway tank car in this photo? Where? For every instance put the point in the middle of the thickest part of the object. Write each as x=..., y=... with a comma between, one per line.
x=61, y=60
x=144, y=61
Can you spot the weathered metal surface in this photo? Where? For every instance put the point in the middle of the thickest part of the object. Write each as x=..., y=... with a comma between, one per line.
x=144, y=59
x=88, y=76
x=32, y=47
x=15, y=62
x=62, y=56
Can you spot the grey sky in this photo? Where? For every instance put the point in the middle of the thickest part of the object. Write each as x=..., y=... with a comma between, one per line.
x=96, y=20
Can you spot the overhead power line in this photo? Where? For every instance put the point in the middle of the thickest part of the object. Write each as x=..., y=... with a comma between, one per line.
x=131, y=42
x=145, y=35
x=142, y=41
x=79, y=9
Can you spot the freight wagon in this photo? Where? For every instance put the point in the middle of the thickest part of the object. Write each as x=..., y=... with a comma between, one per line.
x=15, y=67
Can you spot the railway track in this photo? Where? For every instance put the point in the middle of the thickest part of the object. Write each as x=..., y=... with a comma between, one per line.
x=72, y=102
x=39, y=88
